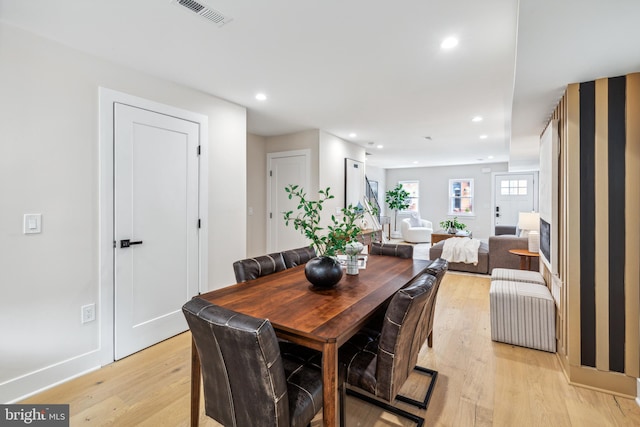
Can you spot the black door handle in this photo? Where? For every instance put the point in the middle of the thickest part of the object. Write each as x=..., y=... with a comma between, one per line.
x=126, y=243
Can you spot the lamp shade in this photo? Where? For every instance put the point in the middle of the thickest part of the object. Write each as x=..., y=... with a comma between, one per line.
x=529, y=221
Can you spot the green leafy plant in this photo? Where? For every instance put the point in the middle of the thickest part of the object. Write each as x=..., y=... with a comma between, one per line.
x=375, y=211
x=307, y=217
x=397, y=199
x=452, y=223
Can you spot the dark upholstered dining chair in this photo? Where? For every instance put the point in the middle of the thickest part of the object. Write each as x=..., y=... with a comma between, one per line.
x=387, y=249
x=252, y=268
x=247, y=380
x=380, y=363
x=294, y=257
x=436, y=269
x=391, y=249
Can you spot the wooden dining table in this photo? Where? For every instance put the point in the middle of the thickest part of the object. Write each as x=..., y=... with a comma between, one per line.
x=318, y=319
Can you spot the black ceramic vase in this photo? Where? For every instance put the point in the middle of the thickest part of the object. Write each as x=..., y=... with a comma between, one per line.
x=323, y=271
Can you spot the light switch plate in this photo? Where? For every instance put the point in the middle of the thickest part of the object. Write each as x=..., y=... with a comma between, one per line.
x=88, y=313
x=32, y=223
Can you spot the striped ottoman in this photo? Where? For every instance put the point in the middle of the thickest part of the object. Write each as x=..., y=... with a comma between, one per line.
x=517, y=275
x=522, y=314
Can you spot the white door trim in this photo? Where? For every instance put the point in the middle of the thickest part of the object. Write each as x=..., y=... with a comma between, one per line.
x=107, y=98
x=270, y=157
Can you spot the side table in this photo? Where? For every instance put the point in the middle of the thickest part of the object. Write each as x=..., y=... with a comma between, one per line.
x=366, y=237
x=525, y=257
x=385, y=220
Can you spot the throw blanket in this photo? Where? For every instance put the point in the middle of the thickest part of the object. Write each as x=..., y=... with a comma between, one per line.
x=461, y=249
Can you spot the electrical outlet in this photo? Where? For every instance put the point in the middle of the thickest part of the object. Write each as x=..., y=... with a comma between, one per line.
x=88, y=313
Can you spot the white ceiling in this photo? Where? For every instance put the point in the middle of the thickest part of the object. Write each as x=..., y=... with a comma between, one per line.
x=371, y=67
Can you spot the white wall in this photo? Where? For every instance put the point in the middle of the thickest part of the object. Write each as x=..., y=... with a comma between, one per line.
x=328, y=155
x=305, y=140
x=256, y=195
x=49, y=164
x=434, y=199
x=333, y=152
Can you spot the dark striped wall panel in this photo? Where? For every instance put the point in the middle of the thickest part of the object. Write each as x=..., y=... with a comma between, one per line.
x=617, y=138
x=604, y=281
x=587, y=224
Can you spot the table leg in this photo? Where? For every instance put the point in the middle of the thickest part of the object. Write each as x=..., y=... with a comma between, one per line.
x=330, y=384
x=195, y=385
x=523, y=262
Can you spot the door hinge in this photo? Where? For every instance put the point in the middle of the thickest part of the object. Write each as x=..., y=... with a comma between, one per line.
x=114, y=244
x=199, y=224
x=270, y=173
x=270, y=215
x=198, y=150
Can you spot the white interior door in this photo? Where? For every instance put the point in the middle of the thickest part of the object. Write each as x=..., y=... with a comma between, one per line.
x=285, y=169
x=514, y=193
x=155, y=204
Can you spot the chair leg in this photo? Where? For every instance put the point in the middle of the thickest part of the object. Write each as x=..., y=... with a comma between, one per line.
x=422, y=405
x=430, y=340
x=411, y=417
x=342, y=404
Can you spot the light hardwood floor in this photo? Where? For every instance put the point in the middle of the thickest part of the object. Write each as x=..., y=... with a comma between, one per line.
x=481, y=383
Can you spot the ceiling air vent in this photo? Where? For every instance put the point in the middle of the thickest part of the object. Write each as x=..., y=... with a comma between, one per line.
x=204, y=11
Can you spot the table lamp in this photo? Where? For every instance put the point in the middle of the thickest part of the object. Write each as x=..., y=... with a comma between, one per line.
x=529, y=225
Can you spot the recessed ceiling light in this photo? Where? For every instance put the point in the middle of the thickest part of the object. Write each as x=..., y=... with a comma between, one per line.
x=483, y=137
x=261, y=97
x=428, y=138
x=477, y=119
x=416, y=162
x=353, y=135
x=380, y=146
x=490, y=157
x=449, y=42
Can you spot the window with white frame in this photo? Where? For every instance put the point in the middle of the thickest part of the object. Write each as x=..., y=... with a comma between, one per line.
x=413, y=188
x=461, y=197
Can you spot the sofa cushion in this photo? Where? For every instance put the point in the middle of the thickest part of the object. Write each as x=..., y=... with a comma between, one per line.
x=506, y=229
x=483, y=259
x=500, y=257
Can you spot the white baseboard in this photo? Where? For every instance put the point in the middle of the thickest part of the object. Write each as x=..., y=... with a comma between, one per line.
x=19, y=388
x=638, y=392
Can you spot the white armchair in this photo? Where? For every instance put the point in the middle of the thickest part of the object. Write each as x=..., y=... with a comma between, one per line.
x=416, y=229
